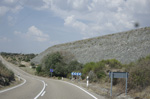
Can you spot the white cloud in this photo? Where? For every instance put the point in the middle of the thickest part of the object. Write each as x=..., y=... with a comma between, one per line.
x=90, y=17
x=17, y=33
x=4, y=39
x=13, y=6
x=10, y=1
x=99, y=17
x=33, y=33
x=3, y=10
x=37, y=34
x=16, y=8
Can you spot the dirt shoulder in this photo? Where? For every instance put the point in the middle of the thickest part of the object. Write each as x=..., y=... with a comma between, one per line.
x=12, y=84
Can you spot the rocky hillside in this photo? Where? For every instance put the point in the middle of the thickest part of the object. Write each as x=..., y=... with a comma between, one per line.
x=125, y=46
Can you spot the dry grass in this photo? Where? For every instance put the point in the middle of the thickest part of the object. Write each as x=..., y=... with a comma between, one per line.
x=28, y=70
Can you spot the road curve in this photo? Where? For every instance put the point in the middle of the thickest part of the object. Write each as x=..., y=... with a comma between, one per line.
x=29, y=89
x=44, y=88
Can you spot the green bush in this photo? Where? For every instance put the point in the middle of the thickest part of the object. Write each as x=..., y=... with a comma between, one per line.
x=112, y=63
x=21, y=65
x=32, y=64
x=139, y=76
x=6, y=75
x=100, y=74
x=74, y=66
x=57, y=62
x=88, y=67
x=38, y=69
x=94, y=70
x=59, y=78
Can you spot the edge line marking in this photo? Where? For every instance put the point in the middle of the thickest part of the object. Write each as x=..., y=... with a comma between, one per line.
x=14, y=86
x=81, y=89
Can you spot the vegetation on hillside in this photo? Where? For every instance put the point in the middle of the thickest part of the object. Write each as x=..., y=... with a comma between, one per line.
x=98, y=71
x=63, y=64
x=16, y=58
x=139, y=72
x=60, y=67
x=6, y=75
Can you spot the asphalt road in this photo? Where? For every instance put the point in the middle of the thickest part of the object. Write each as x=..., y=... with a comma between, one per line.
x=34, y=87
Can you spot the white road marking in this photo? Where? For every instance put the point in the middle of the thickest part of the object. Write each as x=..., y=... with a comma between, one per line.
x=24, y=81
x=41, y=90
x=81, y=89
x=43, y=93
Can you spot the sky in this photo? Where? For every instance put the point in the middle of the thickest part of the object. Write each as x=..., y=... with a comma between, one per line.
x=31, y=26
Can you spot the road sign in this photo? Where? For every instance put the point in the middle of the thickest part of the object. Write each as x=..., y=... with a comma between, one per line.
x=118, y=75
x=74, y=73
x=79, y=74
x=51, y=70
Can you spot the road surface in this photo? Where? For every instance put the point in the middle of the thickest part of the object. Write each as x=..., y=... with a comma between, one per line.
x=34, y=87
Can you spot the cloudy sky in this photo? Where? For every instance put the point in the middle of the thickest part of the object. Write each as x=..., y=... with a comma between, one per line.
x=31, y=26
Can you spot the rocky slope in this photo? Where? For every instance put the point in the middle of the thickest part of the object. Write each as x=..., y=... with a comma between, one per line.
x=125, y=46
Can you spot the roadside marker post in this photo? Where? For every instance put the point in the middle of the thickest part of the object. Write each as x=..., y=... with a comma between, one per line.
x=118, y=75
x=87, y=84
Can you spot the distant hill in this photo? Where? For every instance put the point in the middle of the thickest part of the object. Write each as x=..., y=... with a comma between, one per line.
x=126, y=47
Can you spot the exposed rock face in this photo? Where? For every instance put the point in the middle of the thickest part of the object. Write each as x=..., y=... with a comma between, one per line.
x=125, y=46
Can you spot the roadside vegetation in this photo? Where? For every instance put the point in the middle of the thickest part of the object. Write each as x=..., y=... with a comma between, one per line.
x=16, y=58
x=6, y=75
x=61, y=68
x=98, y=72
x=64, y=63
x=21, y=60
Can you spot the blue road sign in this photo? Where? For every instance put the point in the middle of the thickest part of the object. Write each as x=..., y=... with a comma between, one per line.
x=75, y=73
x=79, y=74
x=72, y=73
x=51, y=70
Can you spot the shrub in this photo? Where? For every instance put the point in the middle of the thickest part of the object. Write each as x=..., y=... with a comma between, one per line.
x=92, y=76
x=100, y=74
x=38, y=69
x=94, y=70
x=21, y=65
x=113, y=63
x=6, y=75
x=74, y=66
x=32, y=64
x=59, y=78
x=88, y=67
x=140, y=74
x=60, y=66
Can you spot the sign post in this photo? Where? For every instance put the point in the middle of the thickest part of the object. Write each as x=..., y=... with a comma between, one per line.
x=118, y=75
x=51, y=70
x=126, y=83
x=111, y=84
x=72, y=75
